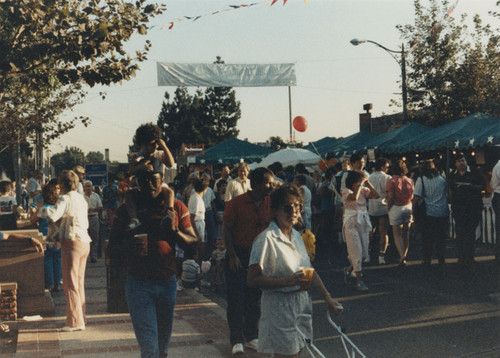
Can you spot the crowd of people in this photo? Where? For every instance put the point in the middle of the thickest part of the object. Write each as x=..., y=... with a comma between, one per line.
x=256, y=227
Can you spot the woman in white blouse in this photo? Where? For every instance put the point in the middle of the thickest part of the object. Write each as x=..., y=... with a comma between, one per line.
x=72, y=210
x=277, y=263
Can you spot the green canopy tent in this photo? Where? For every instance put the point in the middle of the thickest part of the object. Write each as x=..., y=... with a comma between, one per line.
x=321, y=145
x=476, y=130
x=387, y=141
x=354, y=143
x=232, y=151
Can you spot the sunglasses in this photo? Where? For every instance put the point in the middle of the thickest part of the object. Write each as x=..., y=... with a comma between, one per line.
x=291, y=208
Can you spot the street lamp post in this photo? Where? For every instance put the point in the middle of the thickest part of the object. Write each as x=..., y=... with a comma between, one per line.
x=401, y=63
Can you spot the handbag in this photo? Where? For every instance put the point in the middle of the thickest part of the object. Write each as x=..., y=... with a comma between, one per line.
x=419, y=206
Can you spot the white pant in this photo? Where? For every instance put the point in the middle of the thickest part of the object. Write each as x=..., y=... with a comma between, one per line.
x=356, y=231
x=200, y=227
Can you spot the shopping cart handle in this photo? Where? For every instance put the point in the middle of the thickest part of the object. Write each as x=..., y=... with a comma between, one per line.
x=346, y=342
x=336, y=326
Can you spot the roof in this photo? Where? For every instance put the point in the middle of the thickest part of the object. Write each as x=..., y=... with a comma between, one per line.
x=232, y=151
x=321, y=145
x=353, y=143
x=389, y=140
x=473, y=131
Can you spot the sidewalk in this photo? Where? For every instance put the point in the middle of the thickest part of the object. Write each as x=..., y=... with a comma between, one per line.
x=200, y=328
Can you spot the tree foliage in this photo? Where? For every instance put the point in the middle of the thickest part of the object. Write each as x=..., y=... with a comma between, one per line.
x=455, y=71
x=94, y=158
x=67, y=159
x=277, y=143
x=50, y=48
x=207, y=118
x=222, y=111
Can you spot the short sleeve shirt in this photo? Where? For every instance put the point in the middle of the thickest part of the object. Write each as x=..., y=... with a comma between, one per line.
x=6, y=203
x=208, y=198
x=279, y=256
x=32, y=186
x=245, y=220
x=359, y=204
x=237, y=187
x=190, y=271
x=402, y=186
x=435, y=193
x=94, y=202
x=196, y=207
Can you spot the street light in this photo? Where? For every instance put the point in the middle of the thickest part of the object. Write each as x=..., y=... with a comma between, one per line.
x=401, y=63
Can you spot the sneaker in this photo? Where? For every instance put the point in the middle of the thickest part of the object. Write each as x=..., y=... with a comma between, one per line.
x=253, y=344
x=238, y=349
x=381, y=260
x=360, y=286
x=72, y=329
x=367, y=260
x=347, y=276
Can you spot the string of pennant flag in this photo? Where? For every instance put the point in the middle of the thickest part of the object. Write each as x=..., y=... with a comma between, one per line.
x=436, y=26
x=169, y=25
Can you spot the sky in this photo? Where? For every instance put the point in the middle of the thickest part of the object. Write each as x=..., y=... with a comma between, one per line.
x=334, y=78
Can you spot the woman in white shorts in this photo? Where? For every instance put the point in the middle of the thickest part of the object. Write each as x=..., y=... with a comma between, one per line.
x=399, y=195
x=277, y=263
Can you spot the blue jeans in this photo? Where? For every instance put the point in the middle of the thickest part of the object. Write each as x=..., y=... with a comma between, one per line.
x=151, y=306
x=52, y=266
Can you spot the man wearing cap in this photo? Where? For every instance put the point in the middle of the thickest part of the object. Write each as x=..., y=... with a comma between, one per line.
x=466, y=205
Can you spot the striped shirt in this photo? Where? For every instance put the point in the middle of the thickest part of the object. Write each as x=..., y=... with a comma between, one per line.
x=190, y=271
x=435, y=194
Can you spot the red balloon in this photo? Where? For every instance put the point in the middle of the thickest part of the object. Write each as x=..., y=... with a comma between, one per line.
x=300, y=124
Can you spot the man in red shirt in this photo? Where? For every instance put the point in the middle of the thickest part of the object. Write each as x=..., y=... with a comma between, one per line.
x=151, y=284
x=245, y=216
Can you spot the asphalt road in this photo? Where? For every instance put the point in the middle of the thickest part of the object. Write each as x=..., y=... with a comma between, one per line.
x=412, y=311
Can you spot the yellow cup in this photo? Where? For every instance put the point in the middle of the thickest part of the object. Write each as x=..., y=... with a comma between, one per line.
x=306, y=280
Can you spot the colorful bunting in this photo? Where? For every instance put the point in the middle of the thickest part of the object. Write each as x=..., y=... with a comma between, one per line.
x=170, y=24
x=435, y=27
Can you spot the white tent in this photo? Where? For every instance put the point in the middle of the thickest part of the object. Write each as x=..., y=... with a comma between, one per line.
x=291, y=156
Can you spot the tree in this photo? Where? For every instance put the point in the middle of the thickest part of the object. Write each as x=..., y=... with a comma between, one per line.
x=222, y=111
x=181, y=120
x=454, y=72
x=70, y=40
x=49, y=48
x=277, y=143
x=68, y=159
x=208, y=118
x=94, y=158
